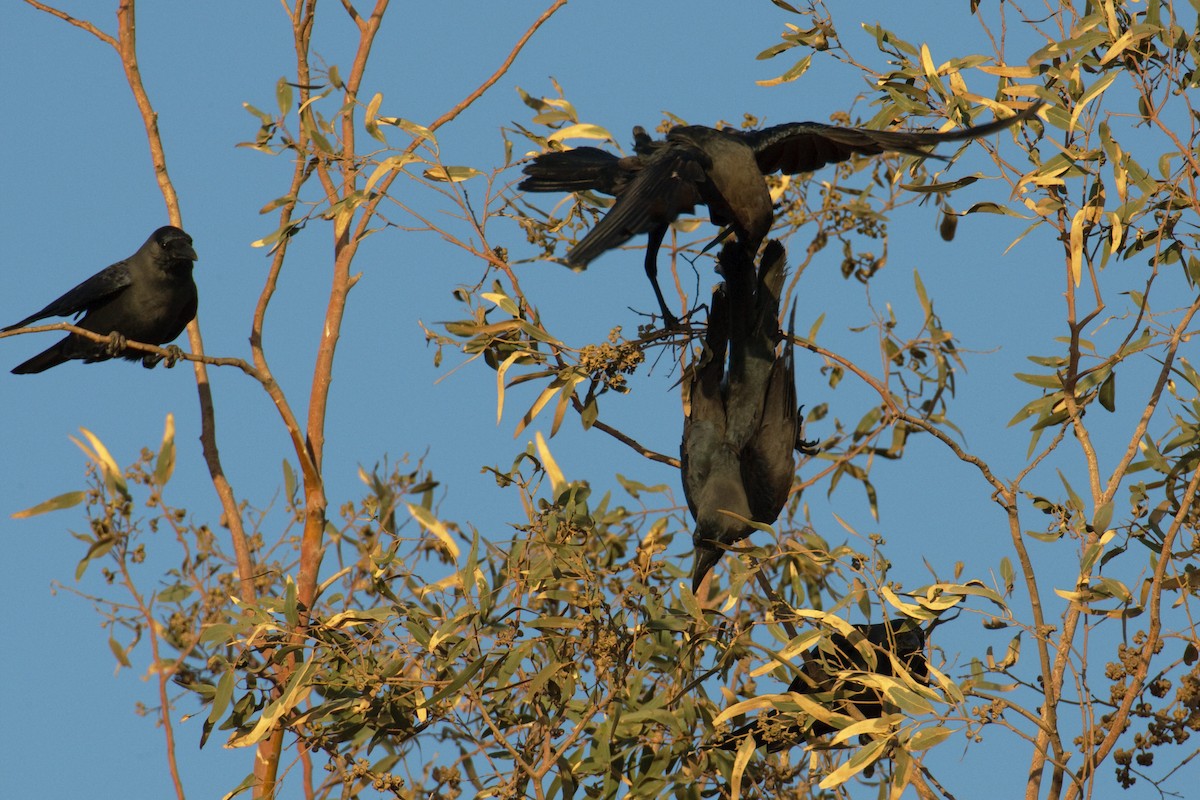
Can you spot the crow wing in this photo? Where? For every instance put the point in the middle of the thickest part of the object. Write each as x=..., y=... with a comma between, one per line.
x=666, y=185
x=92, y=292
x=579, y=170
x=798, y=147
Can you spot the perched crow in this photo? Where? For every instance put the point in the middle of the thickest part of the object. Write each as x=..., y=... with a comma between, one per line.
x=149, y=297
x=721, y=169
x=742, y=423
x=828, y=675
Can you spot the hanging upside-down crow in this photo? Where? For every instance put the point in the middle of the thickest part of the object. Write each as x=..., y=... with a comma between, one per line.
x=722, y=169
x=149, y=297
x=742, y=423
x=828, y=675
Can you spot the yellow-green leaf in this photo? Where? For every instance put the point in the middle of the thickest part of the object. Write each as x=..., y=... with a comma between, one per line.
x=108, y=466
x=67, y=500
x=164, y=467
x=930, y=737
x=864, y=758
x=557, y=482
x=797, y=69
x=580, y=131
x=435, y=526
x=451, y=174
x=1094, y=91
x=744, y=752
x=119, y=652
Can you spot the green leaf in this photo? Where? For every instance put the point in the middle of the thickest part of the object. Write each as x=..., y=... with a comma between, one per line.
x=1075, y=502
x=217, y=633
x=298, y=688
x=1094, y=91
x=1108, y=391
x=1041, y=381
x=435, y=526
x=864, y=758
x=222, y=696
x=451, y=174
x=289, y=480
x=1007, y=575
x=745, y=752
x=994, y=208
x=930, y=737
x=291, y=609
x=797, y=69
x=775, y=50
x=590, y=412
x=66, y=500
x=119, y=652
x=97, y=550
x=283, y=96
x=175, y=593
x=939, y=188
x=909, y=701
x=412, y=128
x=691, y=605
x=262, y=116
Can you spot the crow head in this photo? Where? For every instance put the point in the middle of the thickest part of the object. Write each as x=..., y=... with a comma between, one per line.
x=173, y=244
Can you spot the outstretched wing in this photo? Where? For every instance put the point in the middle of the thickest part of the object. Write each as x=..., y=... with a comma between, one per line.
x=798, y=147
x=95, y=290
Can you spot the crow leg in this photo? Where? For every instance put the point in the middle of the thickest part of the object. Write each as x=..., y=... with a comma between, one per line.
x=174, y=355
x=655, y=241
x=115, y=345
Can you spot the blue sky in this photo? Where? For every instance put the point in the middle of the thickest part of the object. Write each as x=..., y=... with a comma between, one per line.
x=79, y=194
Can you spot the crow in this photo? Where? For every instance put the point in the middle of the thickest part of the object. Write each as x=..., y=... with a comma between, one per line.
x=742, y=424
x=149, y=297
x=722, y=169
x=829, y=675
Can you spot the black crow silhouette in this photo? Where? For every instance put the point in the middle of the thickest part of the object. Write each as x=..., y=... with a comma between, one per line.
x=828, y=675
x=149, y=297
x=742, y=423
x=722, y=169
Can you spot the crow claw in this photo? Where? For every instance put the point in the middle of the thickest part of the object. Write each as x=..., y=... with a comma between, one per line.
x=116, y=344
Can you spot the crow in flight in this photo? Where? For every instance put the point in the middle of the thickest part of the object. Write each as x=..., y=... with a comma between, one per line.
x=743, y=423
x=721, y=169
x=149, y=297
x=828, y=675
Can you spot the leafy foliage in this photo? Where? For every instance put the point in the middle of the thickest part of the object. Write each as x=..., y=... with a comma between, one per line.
x=412, y=655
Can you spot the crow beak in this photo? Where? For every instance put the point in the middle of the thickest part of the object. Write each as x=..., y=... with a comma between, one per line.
x=182, y=249
x=707, y=557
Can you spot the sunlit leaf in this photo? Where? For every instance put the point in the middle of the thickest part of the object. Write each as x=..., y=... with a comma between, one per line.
x=164, y=467
x=865, y=757
x=557, y=482
x=58, y=503
x=930, y=737
x=435, y=526
x=581, y=131
x=98, y=453
x=745, y=752
x=298, y=688
x=796, y=70
x=451, y=174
